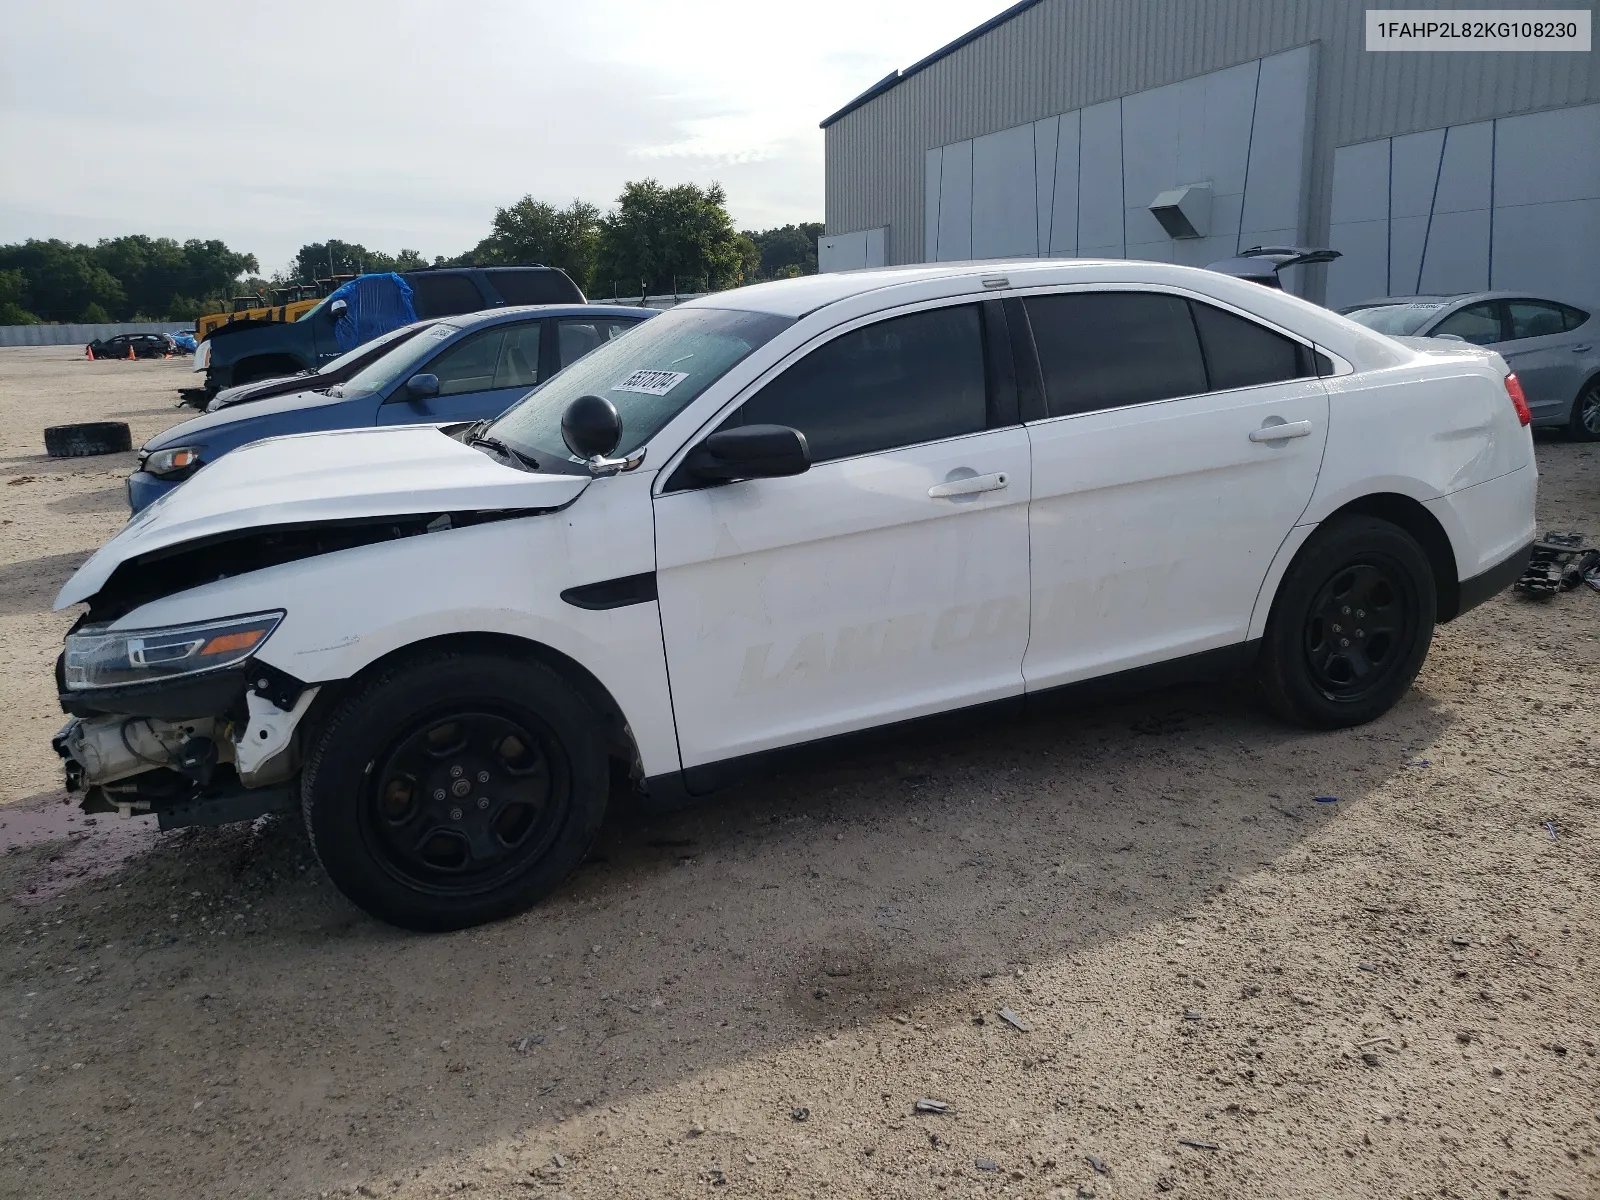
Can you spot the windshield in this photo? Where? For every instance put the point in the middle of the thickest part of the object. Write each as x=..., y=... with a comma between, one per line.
x=400, y=363
x=390, y=340
x=1399, y=320
x=650, y=373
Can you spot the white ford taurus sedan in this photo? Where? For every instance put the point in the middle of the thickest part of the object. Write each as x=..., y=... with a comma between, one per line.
x=772, y=518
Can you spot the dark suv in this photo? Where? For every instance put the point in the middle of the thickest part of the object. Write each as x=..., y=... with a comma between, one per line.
x=247, y=350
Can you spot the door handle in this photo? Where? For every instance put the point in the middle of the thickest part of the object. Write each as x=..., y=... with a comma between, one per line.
x=1281, y=432
x=969, y=486
x=1583, y=349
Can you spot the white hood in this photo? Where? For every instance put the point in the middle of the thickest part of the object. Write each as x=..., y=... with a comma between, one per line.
x=314, y=477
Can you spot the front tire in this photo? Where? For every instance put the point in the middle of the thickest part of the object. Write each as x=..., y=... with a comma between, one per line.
x=1351, y=625
x=1584, y=423
x=455, y=789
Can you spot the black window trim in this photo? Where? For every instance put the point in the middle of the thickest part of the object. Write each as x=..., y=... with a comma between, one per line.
x=991, y=332
x=1030, y=372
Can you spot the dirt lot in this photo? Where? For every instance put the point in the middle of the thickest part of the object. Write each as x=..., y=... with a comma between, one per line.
x=1227, y=988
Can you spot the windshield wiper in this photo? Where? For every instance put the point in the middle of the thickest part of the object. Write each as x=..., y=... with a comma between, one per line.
x=473, y=438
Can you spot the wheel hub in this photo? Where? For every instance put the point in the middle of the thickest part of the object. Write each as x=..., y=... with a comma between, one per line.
x=462, y=798
x=1356, y=632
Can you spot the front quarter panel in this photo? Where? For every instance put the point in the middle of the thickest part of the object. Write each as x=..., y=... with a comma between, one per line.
x=347, y=610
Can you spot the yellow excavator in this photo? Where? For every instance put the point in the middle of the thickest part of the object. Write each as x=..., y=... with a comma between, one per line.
x=281, y=304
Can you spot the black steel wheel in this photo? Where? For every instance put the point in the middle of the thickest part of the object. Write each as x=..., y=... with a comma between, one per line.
x=1584, y=424
x=1357, y=630
x=466, y=799
x=1350, y=626
x=455, y=789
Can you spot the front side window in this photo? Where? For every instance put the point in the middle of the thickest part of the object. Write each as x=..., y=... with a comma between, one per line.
x=1477, y=323
x=519, y=356
x=900, y=382
x=1240, y=353
x=1532, y=319
x=650, y=376
x=470, y=364
x=1100, y=350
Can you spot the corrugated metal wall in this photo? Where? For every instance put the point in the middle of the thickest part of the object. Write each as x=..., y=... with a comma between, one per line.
x=1067, y=54
x=80, y=335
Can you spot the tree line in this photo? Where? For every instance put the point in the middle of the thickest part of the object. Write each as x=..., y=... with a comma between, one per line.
x=656, y=239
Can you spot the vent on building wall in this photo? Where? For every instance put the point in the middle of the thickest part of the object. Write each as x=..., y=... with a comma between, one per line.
x=1184, y=212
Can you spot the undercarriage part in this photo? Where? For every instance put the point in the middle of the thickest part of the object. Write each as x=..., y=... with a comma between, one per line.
x=242, y=804
x=1560, y=563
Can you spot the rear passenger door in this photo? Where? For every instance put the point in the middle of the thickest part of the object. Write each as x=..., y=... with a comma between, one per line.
x=1175, y=444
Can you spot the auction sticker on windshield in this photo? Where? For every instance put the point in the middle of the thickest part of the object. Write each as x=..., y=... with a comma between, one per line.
x=650, y=383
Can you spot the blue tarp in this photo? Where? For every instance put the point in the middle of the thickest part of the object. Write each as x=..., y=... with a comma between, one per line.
x=375, y=304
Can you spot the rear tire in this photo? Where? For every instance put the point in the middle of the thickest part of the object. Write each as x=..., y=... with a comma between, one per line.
x=1350, y=626
x=455, y=789
x=89, y=438
x=1584, y=423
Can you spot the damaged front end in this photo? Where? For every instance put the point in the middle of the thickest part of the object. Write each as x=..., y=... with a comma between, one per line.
x=181, y=722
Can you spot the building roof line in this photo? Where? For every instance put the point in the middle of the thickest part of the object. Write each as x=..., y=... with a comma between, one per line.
x=894, y=78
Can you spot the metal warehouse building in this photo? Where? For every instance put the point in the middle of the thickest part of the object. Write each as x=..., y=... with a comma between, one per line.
x=1187, y=131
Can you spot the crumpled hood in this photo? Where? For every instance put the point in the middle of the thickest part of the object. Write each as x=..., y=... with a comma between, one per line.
x=324, y=477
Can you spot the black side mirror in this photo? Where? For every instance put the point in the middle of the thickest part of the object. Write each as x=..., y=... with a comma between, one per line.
x=750, y=452
x=422, y=387
x=591, y=427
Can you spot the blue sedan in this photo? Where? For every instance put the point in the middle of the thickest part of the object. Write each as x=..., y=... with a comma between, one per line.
x=461, y=369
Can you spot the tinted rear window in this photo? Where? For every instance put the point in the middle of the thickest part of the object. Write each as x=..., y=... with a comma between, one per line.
x=1102, y=350
x=444, y=295
x=534, y=287
x=1240, y=353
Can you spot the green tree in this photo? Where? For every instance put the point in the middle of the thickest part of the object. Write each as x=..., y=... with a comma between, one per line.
x=13, y=287
x=155, y=271
x=669, y=239
x=59, y=279
x=788, y=250
x=535, y=231
x=93, y=314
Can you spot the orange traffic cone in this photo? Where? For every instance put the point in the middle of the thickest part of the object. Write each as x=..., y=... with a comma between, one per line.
x=88, y=352
x=130, y=353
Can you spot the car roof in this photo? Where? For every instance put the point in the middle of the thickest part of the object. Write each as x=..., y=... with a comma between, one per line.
x=1459, y=298
x=514, y=312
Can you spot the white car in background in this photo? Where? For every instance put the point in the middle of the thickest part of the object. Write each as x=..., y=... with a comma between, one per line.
x=778, y=516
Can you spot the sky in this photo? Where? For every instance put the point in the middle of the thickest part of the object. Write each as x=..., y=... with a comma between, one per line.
x=406, y=123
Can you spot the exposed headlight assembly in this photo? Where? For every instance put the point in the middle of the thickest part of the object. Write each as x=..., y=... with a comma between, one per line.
x=114, y=658
x=173, y=463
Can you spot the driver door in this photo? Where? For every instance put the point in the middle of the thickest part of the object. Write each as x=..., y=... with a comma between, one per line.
x=887, y=582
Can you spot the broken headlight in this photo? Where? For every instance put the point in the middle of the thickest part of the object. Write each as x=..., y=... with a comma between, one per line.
x=116, y=657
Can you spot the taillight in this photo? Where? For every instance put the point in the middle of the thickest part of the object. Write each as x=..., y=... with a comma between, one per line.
x=1518, y=400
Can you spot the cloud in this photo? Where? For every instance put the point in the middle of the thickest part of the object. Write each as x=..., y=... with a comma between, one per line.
x=407, y=122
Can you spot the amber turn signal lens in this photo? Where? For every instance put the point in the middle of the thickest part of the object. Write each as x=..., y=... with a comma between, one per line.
x=232, y=642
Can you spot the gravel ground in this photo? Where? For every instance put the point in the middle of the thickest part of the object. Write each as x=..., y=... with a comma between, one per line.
x=1222, y=988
